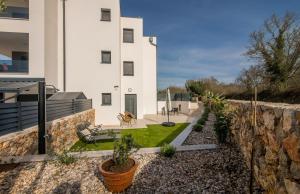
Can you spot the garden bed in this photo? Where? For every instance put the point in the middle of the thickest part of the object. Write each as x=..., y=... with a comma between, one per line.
x=206, y=136
x=217, y=171
x=153, y=136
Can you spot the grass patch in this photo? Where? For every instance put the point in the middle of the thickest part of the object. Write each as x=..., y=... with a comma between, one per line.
x=152, y=136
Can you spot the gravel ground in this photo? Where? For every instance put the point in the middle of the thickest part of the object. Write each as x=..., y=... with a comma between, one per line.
x=206, y=136
x=218, y=171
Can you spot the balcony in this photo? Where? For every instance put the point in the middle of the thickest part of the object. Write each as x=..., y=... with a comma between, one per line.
x=14, y=53
x=14, y=66
x=16, y=9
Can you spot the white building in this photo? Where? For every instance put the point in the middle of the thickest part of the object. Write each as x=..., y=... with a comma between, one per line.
x=79, y=45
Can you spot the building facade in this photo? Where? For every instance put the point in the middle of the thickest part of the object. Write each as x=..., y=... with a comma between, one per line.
x=82, y=46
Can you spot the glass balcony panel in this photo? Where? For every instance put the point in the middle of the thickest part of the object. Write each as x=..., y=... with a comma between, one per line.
x=18, y=9
x=13, y=66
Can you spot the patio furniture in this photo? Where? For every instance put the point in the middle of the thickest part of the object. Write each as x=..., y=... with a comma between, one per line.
x=175, y=111
x=130, y=115
x=125, y=119
x=163, y=110
x=93, y=134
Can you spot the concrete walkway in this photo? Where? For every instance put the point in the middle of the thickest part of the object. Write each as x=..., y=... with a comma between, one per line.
x=96, y=154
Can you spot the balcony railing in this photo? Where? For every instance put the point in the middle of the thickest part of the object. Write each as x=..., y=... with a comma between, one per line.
x=13, y=66
x=15, y=12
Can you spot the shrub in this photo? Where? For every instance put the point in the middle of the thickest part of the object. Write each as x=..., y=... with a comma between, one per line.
x=205, y=117
x=65, y=158
x=201, y=121
x=123, y=148
x=219, y=106
x=222, y=128
x=167, y=150
x=198, y=127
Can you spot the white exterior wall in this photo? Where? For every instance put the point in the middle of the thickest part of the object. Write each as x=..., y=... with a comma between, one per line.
x=149, y=76
x=186, y=106
x=87, y=36
x=133, y=52
x=35, y=28
x=53, y=67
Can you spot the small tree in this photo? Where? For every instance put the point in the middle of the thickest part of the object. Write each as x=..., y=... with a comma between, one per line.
x=277, y=47
x=195, y=87
x=252, y=77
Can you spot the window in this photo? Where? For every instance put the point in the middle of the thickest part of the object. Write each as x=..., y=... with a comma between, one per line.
x=106, y=99
x=128, y=68
x=106, y=57
x=128, y=35
x=105, y=15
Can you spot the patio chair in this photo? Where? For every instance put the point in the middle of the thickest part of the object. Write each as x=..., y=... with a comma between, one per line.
x=163, y=111
x=92, y=134
x=130, y=115
x=175, y=111
x=124, y=119
x=99, y=130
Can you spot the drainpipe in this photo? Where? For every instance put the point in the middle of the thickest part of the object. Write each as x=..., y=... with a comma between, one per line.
x=64, y=45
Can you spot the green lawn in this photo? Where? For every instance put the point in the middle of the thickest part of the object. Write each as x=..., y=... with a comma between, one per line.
x=153, y=136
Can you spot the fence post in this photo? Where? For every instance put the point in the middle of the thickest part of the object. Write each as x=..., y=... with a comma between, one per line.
x=42, y=118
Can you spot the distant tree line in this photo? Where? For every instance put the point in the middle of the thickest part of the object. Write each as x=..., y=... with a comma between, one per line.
x=275, y=52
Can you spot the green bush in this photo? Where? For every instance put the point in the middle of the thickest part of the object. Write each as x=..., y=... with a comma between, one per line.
x=65, y=158
x=201, y=121
x=123, y=148
x=198, y=127
x=167, y=150
x=222, y=127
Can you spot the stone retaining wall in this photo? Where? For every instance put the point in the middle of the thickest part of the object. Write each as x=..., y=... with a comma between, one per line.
x=276, y=143
x=61, y=136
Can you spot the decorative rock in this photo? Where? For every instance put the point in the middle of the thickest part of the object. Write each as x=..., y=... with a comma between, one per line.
x=298, y=117
x=295, y=170
x=269, y=120
x=277, y=147
x=292, y=146
x=218, y=171
x=271, y=156
x=291, y=187
x=283, y=160
x=287, y=120
x=272, y=142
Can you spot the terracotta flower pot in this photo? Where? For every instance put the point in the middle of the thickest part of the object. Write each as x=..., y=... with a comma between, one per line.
x=114, y=181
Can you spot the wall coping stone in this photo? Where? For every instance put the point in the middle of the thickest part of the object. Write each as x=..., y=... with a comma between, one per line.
x=16, y=134
x=270, y=104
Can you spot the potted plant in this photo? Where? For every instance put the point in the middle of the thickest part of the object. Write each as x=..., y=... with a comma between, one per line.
x=118, y=172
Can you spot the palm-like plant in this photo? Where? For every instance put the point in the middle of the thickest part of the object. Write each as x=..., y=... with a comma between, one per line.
x=219, y=106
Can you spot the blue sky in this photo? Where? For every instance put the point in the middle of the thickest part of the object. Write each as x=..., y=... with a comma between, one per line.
x=202, y=38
